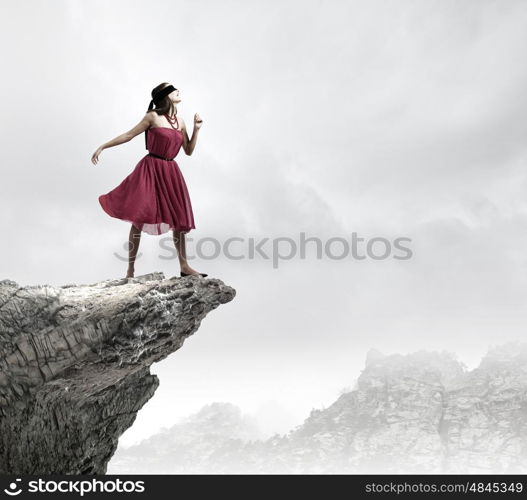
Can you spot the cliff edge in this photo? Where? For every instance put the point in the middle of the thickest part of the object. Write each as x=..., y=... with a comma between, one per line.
x=75, y=363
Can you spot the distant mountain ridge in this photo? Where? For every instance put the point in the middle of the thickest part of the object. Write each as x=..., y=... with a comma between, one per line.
x=417, y=413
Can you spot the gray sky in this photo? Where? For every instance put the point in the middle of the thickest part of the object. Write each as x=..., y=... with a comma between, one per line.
x=384, y=118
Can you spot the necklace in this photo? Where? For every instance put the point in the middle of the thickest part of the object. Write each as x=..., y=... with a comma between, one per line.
x=172, y=121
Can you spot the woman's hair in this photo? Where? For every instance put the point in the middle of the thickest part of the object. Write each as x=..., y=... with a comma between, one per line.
x=165, y=106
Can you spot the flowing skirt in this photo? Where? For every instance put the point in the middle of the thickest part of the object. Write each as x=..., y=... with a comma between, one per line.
x=154, y=198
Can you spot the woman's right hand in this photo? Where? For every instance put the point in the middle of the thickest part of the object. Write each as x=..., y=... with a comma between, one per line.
x=95, y=156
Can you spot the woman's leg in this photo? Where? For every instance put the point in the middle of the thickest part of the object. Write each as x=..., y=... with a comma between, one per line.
x=180, y=244
x=134, y=238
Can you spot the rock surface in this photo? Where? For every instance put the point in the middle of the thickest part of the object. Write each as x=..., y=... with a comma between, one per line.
x=75, y=363
x=420, y=413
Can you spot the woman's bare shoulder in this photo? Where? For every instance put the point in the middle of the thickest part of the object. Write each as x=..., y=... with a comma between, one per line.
x=181, y=122
x=150, y=117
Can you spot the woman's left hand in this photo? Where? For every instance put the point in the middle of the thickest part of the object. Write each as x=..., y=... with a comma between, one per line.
x=197, y=121
x=95, y=156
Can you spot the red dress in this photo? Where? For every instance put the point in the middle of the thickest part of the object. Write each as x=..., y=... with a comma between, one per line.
x=154, y=197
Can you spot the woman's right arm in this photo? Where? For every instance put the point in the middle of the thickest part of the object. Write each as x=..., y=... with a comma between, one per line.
x=144, y=124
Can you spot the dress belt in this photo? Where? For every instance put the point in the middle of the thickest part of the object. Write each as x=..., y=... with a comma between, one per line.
x=162, y=157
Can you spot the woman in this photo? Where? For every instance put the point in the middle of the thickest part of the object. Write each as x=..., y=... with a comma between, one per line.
x=154, y=197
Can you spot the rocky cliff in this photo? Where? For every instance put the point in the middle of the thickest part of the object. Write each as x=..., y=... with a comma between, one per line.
x=75, y=363
x=423, y=413
x=418, y=413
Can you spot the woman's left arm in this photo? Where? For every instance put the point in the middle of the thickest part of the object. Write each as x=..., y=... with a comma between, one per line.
x=190, y=144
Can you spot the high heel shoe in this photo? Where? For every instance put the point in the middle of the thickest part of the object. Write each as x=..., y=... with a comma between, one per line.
x=189, y=274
